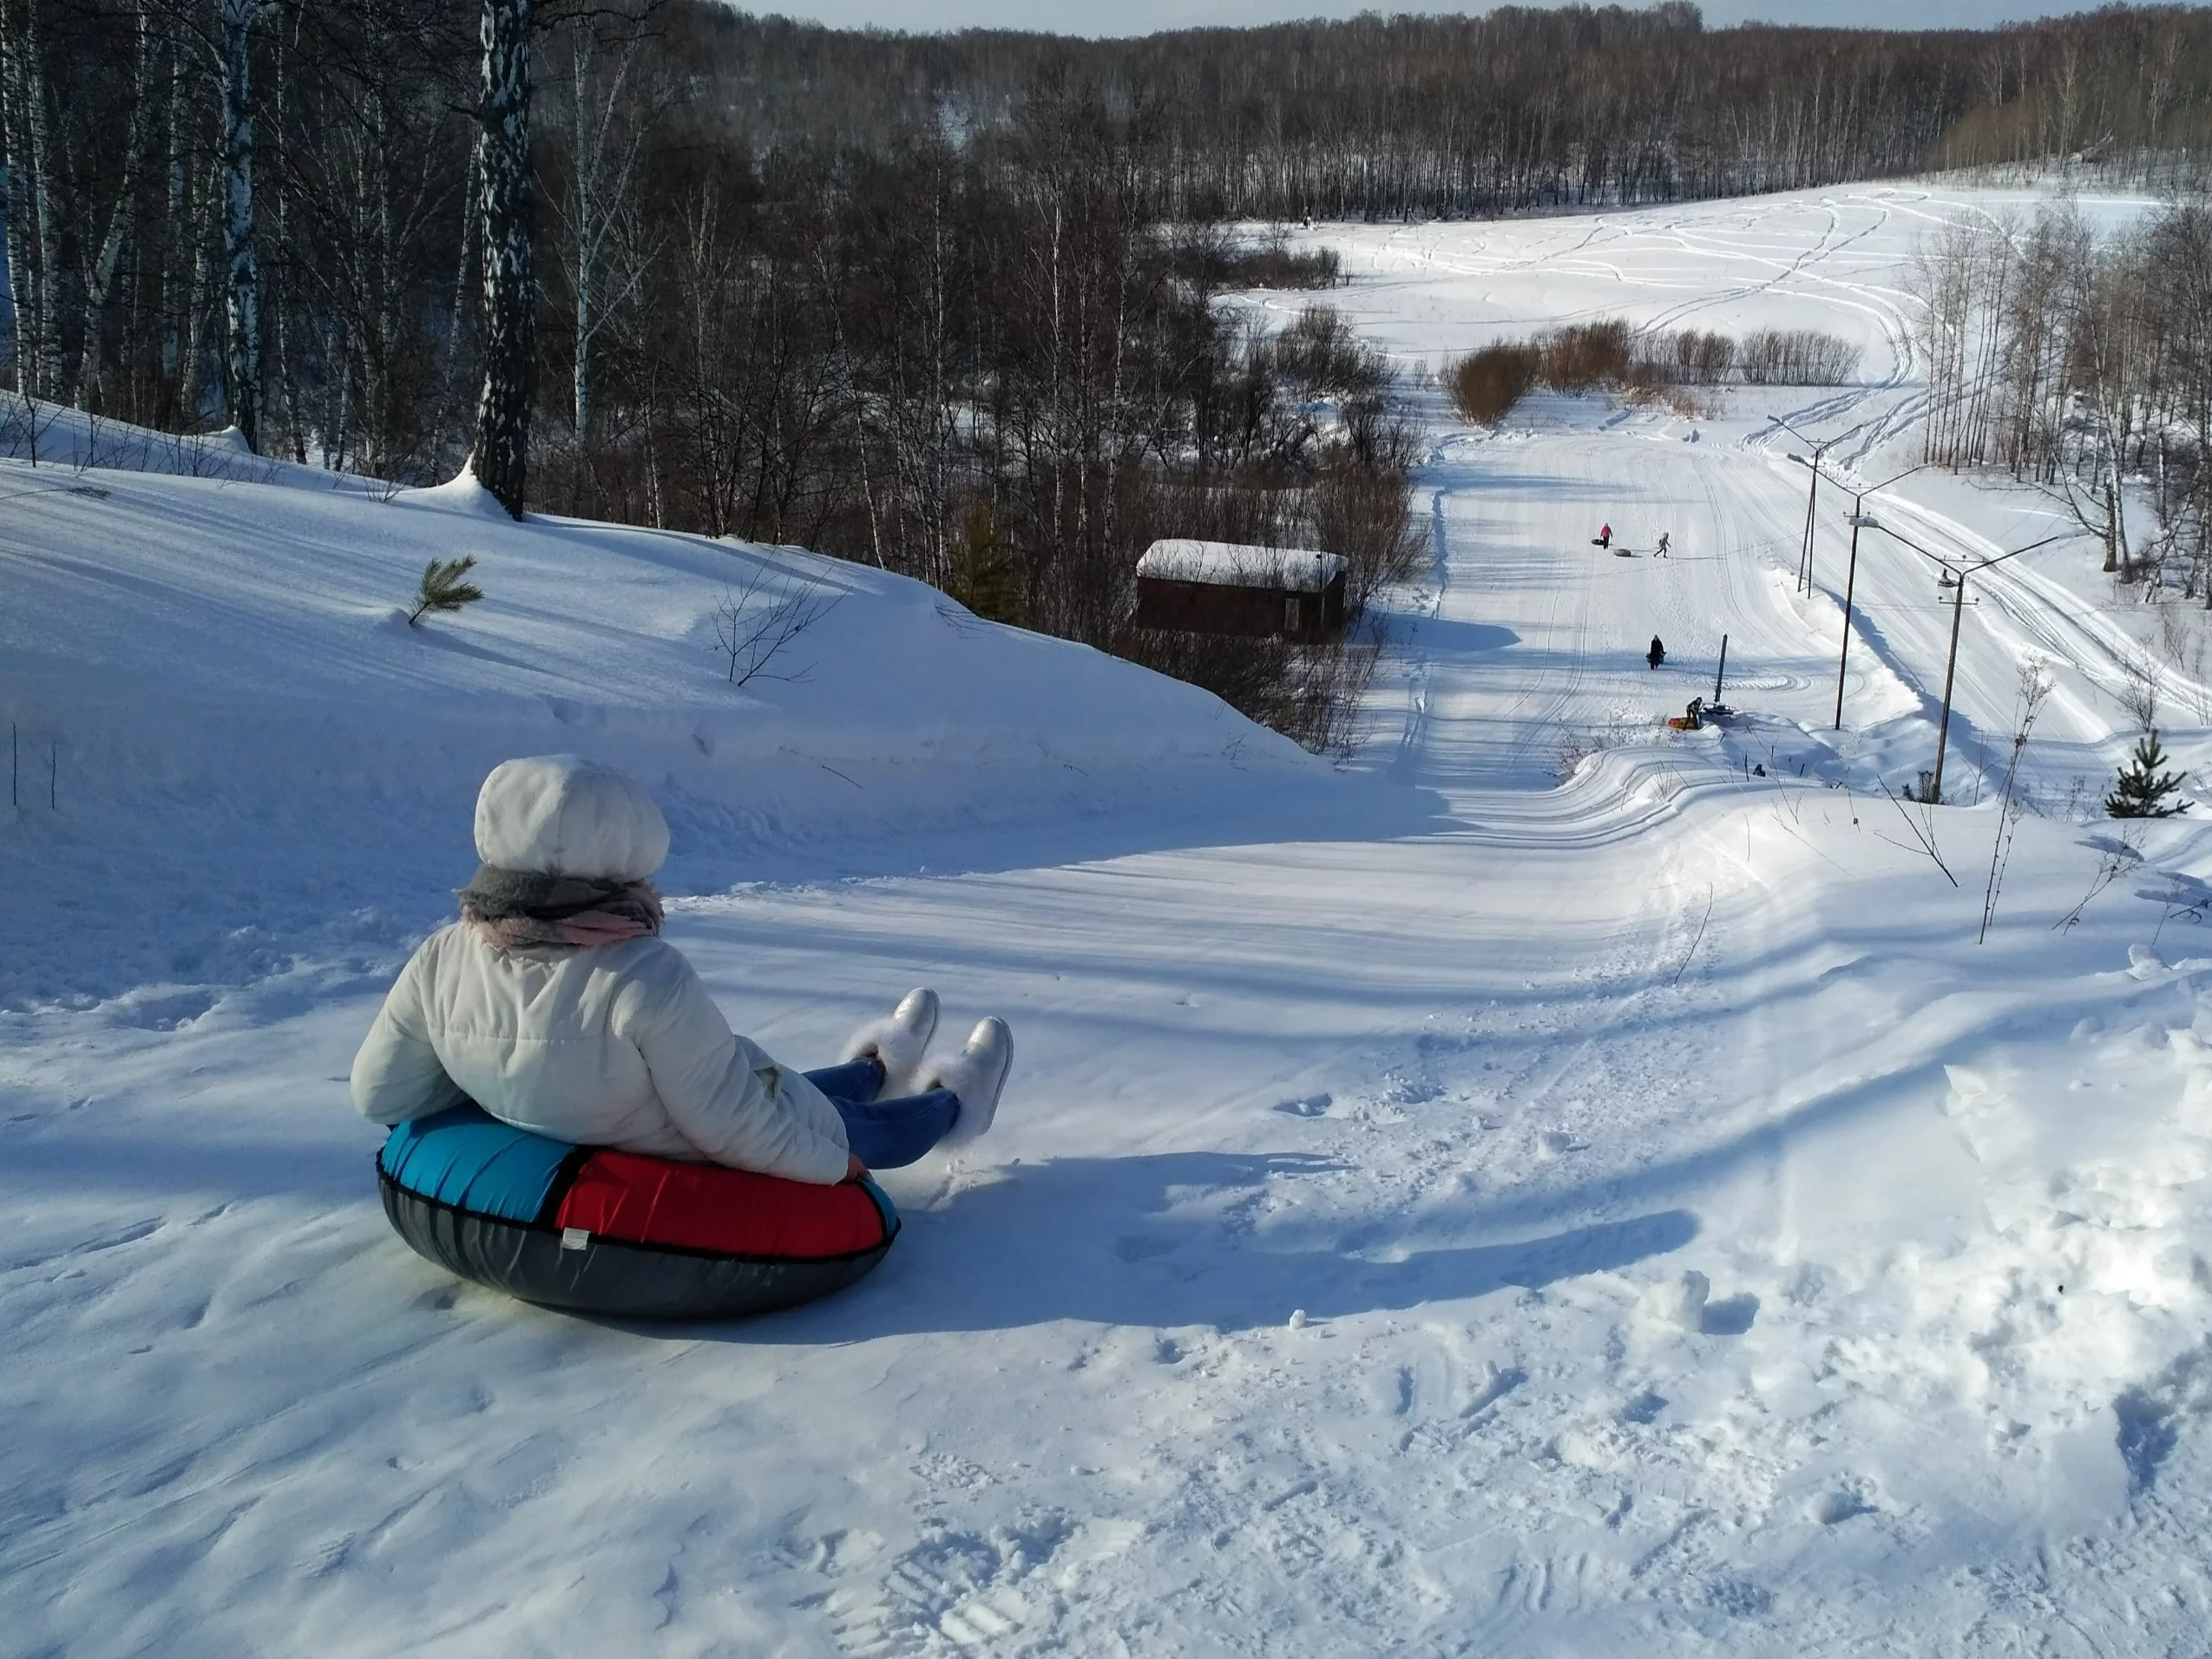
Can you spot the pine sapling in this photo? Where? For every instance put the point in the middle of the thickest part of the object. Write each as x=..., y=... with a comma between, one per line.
x=982, y=578
x=445, y=587
x=2142, y=791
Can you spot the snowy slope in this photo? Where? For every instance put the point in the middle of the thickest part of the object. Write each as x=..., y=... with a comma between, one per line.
x=1324, y=1286
x=1838, y=259
x=214, y=687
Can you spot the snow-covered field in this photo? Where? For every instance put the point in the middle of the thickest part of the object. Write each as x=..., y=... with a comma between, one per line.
x=1441, y=1208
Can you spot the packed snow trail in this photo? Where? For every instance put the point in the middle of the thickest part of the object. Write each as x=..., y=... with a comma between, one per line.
x=1541, y=636
x=1464, y=1107
x=1324, y=1285
x=1726, y=490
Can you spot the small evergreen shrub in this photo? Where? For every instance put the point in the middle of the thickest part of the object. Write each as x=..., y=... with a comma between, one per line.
x=2142, y=791
x=982, y=578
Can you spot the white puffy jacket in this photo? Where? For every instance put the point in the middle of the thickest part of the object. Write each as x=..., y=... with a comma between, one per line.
x=613, y=1046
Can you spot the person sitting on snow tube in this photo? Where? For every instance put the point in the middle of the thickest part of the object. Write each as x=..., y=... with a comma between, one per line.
x=556, y=1005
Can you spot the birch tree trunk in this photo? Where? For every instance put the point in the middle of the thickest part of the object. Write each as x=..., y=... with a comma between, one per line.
x=101, y=269
x=12, y=148
x=34, y=242
x=608, y=120
x=450, y=349
x=282, y=291
x=45, y=282
x=180, y=245
x=200, y=279
x=242, y=362
x=500, y=459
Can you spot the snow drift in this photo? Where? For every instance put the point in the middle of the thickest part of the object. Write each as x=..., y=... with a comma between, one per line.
x=215, y=695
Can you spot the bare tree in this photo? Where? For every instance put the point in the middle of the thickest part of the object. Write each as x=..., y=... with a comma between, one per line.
x=33, y=237
x=105, y=265
x=500, y=458
x=242, y=270
x=2138, y=694
x=609, y=108
x=2035, y=691
x=755, y=625
x=2103, y=312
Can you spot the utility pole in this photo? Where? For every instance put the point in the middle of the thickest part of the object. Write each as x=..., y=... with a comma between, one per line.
x=1805, y=551
x=1812, y=495
x=1949, y=669
x=1859, y=521
x=1954, y=576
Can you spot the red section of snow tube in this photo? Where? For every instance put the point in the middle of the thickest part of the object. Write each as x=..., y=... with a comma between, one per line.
x=612, y=1233
x=727, y=1212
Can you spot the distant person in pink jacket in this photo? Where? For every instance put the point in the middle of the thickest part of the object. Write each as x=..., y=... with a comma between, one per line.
x=1604, y=538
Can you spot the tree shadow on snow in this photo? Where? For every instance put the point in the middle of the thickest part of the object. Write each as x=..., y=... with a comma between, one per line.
x=1171, y=1240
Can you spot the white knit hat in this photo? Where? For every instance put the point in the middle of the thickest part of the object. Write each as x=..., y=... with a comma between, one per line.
x=562, y=814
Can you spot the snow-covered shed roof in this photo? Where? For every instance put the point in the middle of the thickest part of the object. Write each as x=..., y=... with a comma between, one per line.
x=1231, y=564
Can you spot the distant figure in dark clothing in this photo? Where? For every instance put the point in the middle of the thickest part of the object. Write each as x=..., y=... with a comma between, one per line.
x=1656, y=654
x=1660, y=551
x=1604, y=537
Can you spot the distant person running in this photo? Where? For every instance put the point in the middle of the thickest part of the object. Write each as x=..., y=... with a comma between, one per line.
x=1604, y=538
x=1660, y=551
x=1656, y=654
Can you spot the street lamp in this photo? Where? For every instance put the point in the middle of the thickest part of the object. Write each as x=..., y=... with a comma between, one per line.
x=1949, y=669
x=1955, y=577
x=1812, y=495
x=1860, y=520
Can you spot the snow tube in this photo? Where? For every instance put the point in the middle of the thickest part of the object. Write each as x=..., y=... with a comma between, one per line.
x=608, y=1232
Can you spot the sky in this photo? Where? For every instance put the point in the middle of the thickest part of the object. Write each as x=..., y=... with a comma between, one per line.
x=1146, y=17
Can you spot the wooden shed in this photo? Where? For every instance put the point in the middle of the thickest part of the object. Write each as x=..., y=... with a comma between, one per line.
x=1226, y=587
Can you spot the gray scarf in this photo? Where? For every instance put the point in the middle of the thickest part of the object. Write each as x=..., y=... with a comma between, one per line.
x=517, y=909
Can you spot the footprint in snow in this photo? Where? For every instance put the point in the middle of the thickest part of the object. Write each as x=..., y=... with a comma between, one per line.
x=1142, y=1246
x=1833, y=1508
x=1731, y=1315
x=1643, y=1408
x=1496, y=1385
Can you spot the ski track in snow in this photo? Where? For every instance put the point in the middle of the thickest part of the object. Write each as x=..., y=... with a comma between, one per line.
x=1465, y=1064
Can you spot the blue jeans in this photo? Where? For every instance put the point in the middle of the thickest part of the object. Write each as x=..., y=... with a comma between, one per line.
x=885, y=1134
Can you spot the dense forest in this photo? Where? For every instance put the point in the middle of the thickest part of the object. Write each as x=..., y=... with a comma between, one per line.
x=942, y=304
x=1385, y=117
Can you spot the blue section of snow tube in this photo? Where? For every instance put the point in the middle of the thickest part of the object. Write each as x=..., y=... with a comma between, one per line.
x=881, y=1200
x=465, y=1157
